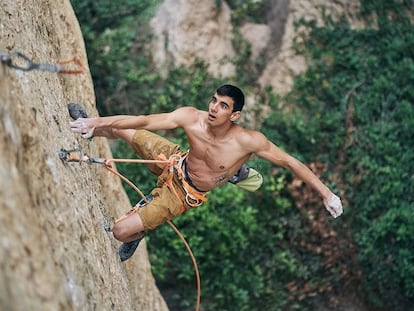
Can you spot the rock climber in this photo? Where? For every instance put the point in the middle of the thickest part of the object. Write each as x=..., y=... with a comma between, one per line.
x=219, y=147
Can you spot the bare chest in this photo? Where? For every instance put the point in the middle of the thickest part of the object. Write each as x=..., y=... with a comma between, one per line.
x=217, y=155
x=212, y=162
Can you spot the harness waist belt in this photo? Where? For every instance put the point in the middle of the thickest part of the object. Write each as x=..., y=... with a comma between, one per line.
x=186, y=177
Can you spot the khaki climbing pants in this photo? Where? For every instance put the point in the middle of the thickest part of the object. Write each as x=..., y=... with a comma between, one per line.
x=166, y=203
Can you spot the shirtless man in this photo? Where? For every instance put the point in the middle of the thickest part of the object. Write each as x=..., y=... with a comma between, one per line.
x=218, y=149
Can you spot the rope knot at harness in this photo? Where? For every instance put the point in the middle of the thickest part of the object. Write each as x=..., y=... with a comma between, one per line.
x=171, y=162
x=192, y=197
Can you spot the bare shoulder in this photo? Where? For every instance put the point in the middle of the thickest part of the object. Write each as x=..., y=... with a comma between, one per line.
x=186, y=110
x=186, y=115
x=252, y=140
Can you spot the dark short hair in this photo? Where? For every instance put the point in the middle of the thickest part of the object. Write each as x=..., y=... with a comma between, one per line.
x=233, y=92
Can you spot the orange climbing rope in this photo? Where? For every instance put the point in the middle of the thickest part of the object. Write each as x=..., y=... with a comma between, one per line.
x=77, y=155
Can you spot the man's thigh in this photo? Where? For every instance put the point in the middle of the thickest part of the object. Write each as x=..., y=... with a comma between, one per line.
x=149, y=146
x=164, y=206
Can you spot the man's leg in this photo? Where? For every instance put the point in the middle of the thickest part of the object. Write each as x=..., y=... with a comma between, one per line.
x=130, y=231
x=125, y=134
x=128, y=228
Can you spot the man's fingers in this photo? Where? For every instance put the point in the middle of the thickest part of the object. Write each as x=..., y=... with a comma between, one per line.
x=88, y=134
x=331, y=211
x=80, y=126
x=77, y=122
x=334, y=206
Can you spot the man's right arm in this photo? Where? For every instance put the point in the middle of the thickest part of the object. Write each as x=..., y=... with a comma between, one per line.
x=161, y=121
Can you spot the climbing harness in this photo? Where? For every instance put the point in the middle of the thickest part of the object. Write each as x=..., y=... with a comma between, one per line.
x=19, y=61
x=192, y=197
x=175, y=161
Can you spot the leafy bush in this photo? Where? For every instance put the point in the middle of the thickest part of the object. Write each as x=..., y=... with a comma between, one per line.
x=352, y=111
x=116, y=37
x=356, y=101
x=387, y=258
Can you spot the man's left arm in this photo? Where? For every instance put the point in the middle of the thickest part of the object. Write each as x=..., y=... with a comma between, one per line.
x=269, y=151
x=331, y=201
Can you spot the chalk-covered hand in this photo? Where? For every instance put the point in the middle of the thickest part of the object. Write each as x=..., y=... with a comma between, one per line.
x=85, y=126
x=334, y=205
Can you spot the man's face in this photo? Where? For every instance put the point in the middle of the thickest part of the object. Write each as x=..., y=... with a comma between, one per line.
x=220, y=110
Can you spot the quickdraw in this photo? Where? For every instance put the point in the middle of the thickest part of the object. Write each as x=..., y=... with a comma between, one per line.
x=77, y=155
x=19, y=61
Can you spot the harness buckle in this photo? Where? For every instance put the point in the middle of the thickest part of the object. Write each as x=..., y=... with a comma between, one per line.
x=192, y=201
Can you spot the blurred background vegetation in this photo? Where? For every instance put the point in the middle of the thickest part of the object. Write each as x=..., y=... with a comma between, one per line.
x=350, y=118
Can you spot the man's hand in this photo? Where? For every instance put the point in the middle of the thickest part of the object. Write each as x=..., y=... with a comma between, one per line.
x=85, y=126
x=334, y=205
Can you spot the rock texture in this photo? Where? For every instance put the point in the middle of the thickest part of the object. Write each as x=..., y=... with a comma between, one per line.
x=282, y=63
x=189, y=30
x=54, y=251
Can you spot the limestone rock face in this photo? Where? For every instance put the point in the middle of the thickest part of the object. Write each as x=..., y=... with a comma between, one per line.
x=186, y=30
x=282, y=63
x=54, y=251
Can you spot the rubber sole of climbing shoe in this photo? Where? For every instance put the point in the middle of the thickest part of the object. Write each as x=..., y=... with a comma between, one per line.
x=76, y=111
x=126, y=250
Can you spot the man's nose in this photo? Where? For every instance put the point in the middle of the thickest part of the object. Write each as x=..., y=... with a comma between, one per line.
x=214, y=106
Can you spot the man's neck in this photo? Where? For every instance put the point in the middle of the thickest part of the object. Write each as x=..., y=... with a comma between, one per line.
x=219, y=132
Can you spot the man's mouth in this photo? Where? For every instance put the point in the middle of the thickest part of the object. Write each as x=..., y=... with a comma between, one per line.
x=211, y=117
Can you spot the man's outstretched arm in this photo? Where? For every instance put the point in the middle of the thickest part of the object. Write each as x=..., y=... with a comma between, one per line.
x=161, y=121
x=272, y=153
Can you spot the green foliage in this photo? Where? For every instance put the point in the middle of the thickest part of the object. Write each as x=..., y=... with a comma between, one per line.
x=352, y=109
x=116, y=37
x=387, y=258
x=238, y=263
x=218, y=256
x=388, y=12
x=247, y=69
x=253, y=11
x=186, y=87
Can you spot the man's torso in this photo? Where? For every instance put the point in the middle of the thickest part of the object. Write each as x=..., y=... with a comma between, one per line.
x=211, y=161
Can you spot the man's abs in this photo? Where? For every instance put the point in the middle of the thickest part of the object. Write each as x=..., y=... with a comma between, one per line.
x=208, y=175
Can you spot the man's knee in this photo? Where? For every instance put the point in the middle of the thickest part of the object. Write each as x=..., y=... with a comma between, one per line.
x=119, y=232
x=127, y=226
x=125, y=134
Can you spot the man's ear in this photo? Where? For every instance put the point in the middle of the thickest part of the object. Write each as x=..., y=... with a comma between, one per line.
x=234, y=116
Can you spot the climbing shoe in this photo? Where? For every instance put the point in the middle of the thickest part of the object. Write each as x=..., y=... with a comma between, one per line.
x=76, y=111
x=127, y=249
